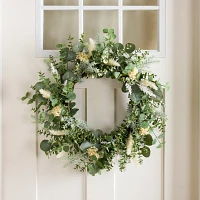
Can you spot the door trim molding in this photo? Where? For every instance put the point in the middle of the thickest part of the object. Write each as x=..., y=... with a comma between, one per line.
x=1, y=87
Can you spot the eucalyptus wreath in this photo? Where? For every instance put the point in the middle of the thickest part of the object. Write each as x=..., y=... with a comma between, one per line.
x=70, y=138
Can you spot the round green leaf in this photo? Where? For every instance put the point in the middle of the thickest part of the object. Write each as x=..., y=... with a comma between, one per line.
x=78, y=47
x=71, y=96
x=124, y=89
x=117, y=46
x=70, y=56
x=85, y=145
x=146, y=151
x=66, y=148
x=45, y=145
x=159, y=95
x=68, y=76
x=148, y=140
x=129, y=48
x=39, y=85
x=98, y=132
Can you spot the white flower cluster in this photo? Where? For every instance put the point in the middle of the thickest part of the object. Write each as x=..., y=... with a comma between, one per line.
x=146, y=90
x=45, y=93
x=148, y=83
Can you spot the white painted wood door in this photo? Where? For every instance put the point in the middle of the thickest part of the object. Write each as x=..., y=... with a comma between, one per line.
x=28, y=174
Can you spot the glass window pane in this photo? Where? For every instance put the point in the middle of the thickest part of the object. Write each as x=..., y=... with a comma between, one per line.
x=141, y=28
x=140, y=2
x=60, y=2
x=58, y=26
x=100, y=20
x=100, y=2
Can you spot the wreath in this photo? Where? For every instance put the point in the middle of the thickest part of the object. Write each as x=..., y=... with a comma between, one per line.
x=70, y=138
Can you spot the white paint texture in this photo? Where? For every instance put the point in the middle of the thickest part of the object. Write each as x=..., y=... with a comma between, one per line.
x=28, y=175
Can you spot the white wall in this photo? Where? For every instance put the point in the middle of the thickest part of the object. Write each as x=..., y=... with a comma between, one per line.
x=182, y=99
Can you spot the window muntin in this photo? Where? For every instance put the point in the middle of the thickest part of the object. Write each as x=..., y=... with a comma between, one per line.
x=139, y=21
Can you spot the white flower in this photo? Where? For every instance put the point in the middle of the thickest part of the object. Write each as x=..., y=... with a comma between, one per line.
x=112, y=62
x=133, y=73
x=45, y=93
x=128, y=87
x=91, y=46
x=59, y=132
x=129, y=144
x=148, y=84
x=53, y=69
x=65, y=83
x=146, y=90
x=61, y=154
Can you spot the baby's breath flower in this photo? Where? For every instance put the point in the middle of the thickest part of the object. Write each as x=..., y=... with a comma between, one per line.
x=144, y=131
x=133, y=74
x=148, y=83
x=59, y=132
x=45, y=93
x=112, y=62
x=92, y=151
x=53, y=69
x=129, y=144
x=82, y=56
x=56, y=111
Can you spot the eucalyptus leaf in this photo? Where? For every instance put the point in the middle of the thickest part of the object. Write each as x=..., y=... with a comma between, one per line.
x=159, y=95
x=30, y=101
x=161, y=135
x=99, y=164
x=117, y=46
x=129, y=48
x=116, y=74
x=74, y=111
x=68, y=76
x=154, y=141
x=39, y=85
x=105, y=30
x=146, y=151
x=66, y=148
x=40, y=99
x=85, y=145
x=78, y=47
x=144, y=125
x=159, y=146
x=148, y=139
x=53, y=100
x=71, y=96
x=72, y=104
x=59, y=46
x=135, y=97
x=70, y=56
x=124, y=89
x=45, y=145
x=108, y=74
x=98, y=132
x=92, y=169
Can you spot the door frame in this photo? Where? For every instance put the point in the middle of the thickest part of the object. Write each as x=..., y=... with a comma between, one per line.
x=1, y=81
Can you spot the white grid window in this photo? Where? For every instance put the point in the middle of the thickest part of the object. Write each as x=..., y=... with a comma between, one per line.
x=141, y=22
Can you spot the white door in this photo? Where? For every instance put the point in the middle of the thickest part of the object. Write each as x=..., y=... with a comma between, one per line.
x=28, y=174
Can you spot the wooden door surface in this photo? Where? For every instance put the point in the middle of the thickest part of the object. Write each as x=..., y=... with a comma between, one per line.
x=27, y=174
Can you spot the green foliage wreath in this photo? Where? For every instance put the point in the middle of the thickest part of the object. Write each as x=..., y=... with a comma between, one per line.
x=69, y=137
